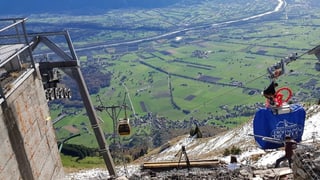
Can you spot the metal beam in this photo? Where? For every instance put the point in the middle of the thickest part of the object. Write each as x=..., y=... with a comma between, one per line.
x=315, y=51
x=58, y=64
x=104, y=150
x=55, y=48
x=72, y=68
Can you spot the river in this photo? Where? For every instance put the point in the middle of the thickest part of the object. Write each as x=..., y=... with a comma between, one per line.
x=280, y=6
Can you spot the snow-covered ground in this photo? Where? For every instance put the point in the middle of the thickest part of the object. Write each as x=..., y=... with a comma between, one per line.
x=204, y=148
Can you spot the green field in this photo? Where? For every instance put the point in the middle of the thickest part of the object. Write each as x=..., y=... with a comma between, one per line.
x=239, y=53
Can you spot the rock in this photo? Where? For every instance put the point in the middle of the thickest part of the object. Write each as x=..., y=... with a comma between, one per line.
x=306, y=163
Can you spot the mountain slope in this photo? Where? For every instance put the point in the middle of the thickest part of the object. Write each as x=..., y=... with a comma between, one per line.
x=213, y=147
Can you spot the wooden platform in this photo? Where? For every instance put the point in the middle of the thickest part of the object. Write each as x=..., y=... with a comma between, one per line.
x=182, y=164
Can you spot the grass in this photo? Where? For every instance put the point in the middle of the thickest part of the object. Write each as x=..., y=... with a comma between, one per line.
x=70, y=162
x=234, y=55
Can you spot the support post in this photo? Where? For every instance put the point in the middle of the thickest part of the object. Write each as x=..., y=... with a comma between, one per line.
x=71, y=67
x=104, y=150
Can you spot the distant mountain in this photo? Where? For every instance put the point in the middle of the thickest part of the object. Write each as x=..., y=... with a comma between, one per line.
x=14, y=7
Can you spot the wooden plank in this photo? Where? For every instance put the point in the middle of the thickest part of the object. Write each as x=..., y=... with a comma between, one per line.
x=183, y=161
x=182, y=164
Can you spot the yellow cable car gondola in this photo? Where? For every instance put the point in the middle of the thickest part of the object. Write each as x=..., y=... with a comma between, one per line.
x=124, y=127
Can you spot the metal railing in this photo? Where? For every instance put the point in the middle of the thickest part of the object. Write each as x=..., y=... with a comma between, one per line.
x=13, y=31
x=15, y=51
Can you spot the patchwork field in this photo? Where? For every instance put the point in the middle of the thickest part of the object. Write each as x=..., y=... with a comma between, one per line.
x=211, y=75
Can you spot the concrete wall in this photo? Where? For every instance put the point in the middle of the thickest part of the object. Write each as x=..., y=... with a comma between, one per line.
x=28, y=144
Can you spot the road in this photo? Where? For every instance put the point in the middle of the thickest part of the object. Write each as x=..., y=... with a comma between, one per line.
x=280, y=6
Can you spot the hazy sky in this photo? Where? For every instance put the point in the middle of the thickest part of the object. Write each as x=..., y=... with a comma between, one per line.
x=76, y=6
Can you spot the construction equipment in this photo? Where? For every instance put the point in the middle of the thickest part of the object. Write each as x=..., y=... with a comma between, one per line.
x=279, y=68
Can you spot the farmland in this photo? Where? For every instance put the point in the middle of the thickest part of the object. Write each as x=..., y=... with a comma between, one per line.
x=209, y=75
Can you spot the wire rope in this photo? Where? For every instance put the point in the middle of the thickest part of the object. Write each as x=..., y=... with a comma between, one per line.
x=248, y=82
